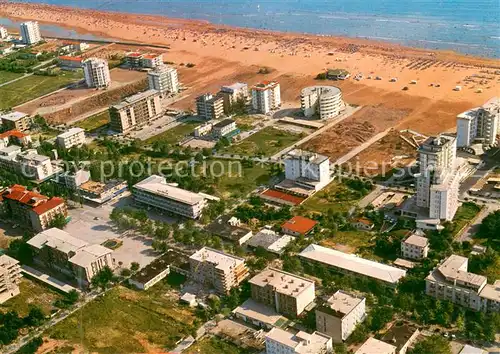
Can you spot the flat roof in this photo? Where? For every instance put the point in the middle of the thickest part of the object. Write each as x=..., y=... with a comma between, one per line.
x=223, y=123
x=223, y=261
x=324, y=91
x=264, y=238
x=71, y=132
x=265, y=85
x=455, y=267
x=399, y=335
x=416, y=240
x=342, y=303
x=135, y=98
x=161, y=263
x=260, y=312
x=282, y=282
x=13, y=116
x=279, y=245
x=309, y=156
x=301, y=342
x=88, y=254
x=157, y=185
x=400, y=262
x=234, y=87
x=372, y=346
x=353, y=263
x=7, y=261
x=469, y=349
x=57, y=239
x=491, y=292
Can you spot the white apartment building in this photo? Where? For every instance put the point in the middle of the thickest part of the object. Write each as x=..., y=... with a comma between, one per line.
x=266, y=96
x=217, y=269
x=415, y=247
x=28, y=162
x=73, y=137
x=209, y=106
x=154, y=191
x=279, y=341
x=324, y=101
x=340, y=315
x=451, y=281
x=203, y=129
x=135, y=111
x=375, y=346
x=480, y=124
x=16, y=121
x=307, y=168
x=10, y=276
x=438, y=179
x=30, y=32
x=3, y=33
x=232, y=93
x=151, y=60
x=224, y=128
x=163, y=79
x=287, y=293
x=96, y=73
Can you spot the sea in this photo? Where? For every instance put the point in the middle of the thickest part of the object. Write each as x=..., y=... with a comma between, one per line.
x=466, y=26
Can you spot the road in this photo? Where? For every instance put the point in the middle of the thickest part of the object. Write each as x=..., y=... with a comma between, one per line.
x=348, y=112
x=26, y=75
x=468, y=233
x=361, y=147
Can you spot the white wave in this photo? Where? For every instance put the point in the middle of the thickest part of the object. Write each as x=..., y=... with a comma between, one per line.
x=494, y=37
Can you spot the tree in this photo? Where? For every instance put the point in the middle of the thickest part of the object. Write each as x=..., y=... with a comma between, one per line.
x=21, y=251
x=103, y=278
x=434, y=344
x=490, y=226
x=134, y=266
x=59, y=221
x=35, y=317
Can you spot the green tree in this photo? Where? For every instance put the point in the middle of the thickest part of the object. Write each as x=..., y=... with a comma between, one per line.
x=134, y=266
x=434, y=344
x=490, y=226
x=59, y=221
x=103, y=278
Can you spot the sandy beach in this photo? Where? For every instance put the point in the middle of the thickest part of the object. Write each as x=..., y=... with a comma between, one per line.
x=224, y=54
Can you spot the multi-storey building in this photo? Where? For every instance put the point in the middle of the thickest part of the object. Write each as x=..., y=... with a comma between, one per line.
x=279, y=341
x=339, y=315
x=96, y=73
x=73, y=137
x=203, y=129
x=224, y=128
x=3, y=33
x=415, y=247
x=135, y=111
x=480, y=124
x=324, y=101
x=307, y=168
x=15, y=136
x=71, y=63
x=10, y=276
x=151, y=60
x=209, y=106
x=266, y=97
x=232, y=93
x=375, y=346
x=156, y=192
x=27, y=163
x=32, y=209
x=451, y=281
x=16, y=121
x=438, y=180
x=217, y=269
x=289, y=294
x=58, y=250
x=30, y=32
x=163, y=79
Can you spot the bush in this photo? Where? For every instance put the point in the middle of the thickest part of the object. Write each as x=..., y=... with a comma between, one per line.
x=190, y=65
x=321, y=76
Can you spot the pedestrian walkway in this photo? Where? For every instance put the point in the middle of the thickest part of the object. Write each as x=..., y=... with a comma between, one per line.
x=47, y=279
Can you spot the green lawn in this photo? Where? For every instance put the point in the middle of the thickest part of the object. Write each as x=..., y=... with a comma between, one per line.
x=34, y=86
x=174, y=135
x=465, y=213
x=7, y=76
x=349, y=241
x=32, y=294
x=246, y=122
x=215, y=345
x=127, y=321
x=267, y=141
x=94, y=122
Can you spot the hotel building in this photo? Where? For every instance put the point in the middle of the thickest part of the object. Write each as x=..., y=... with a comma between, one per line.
x=163, y=79
x=31, y=208
x=96, y=73
x=30, y=32
x=10, y=276
x=73, y=137
x=3, y=33
x=26, y=163
x=287, y=293
x=209, y=106
x=306, y=168
x=156, y=192
x=232, y=93
x=226, y=127
x=481, y=124
x=324, y=101
x=451, y=281
x=16, y=121
x=415, y=247
x=279, y=341
x=217, y=269
x=19, y=138
x=58, y=250
x=135, y=111
x=339, y=315
x=266, y=97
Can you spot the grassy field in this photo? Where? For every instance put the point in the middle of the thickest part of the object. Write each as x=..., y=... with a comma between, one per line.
x=174, y=135
x=349, y=241
x=217, y=346
x=267, y=141
x=128, y=321
x=7, y=76
x=32, y=294
x=34, y=86
x=94, y=122
x=246, y=122
x=465, y=213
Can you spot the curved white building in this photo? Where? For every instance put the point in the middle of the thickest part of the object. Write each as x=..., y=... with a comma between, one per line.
x=326, y=101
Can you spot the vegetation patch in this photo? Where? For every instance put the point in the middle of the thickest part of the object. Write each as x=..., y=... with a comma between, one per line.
x=215, y=345
x=175, y=134
x=6, y=76
x=94, y=122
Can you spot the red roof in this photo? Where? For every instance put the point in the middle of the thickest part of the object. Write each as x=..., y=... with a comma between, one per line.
x=364, y=221
x=151, y=56
x=134, y=54
x=48, y=205
x=299, y=224
x=67, y=57
x=38, y=202
x=14, y=133
x=283, y=196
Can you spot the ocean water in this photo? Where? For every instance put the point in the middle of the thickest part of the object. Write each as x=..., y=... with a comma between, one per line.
x=466, y=26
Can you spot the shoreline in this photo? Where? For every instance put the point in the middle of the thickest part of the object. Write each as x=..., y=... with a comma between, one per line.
x=24, y=11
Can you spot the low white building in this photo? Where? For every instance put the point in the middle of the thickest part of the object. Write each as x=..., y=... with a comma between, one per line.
x=224, y=128
x=340, y=315
x=279, y=341
x=266, y=96
x=415, y=247
x=73, y=137
x=203, y=129
x=324, y=101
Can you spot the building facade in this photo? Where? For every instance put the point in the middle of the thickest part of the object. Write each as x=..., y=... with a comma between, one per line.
x=135, y=111
x=26, y=163
x=30, y=32
x=96, y=73
x=279, y=341
x=324, y=101
x=481, y=124
x=308, y=168
x=226, y=127
x=73, y=137
x=156, y=192
x=217, y=269
x=266, y=97
x=10, y=276
x=203, y=129
x=340, y=314
x=3, y=33
x=14, y=136
x=163, y=79
x=209, y=106
x=415, y=247
x=232, y=93
x=68, y=62
x=16, y=121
